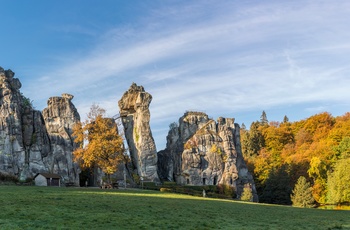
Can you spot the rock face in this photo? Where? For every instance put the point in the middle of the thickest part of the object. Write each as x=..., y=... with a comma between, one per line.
x=31, y=142
x=134, y=111
x=201, y=151
x=59, y=117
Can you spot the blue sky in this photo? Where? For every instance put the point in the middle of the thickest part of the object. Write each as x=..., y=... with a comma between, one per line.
x=226, y=58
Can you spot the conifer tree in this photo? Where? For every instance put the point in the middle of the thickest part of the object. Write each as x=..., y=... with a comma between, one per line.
x=247, y=194
x=302, y=194
x=263, y=118
x=276, y=188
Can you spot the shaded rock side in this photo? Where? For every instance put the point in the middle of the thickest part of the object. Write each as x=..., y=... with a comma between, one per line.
x=26, y=147
x=134, y=111
x=201, y=151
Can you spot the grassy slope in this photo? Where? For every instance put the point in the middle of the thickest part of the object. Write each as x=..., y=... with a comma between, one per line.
x=79, y=208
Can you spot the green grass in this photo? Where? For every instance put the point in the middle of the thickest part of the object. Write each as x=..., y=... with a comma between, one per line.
x=29, y=207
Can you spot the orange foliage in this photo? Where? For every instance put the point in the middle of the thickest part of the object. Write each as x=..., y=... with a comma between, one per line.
x=306, y=146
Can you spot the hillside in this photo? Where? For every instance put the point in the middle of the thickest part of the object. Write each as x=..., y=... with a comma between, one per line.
x=317, y=148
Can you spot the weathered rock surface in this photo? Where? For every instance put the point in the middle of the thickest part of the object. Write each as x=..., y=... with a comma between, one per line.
x=59, y=117
x=134, y=111
x=201, y=151
x=30, y=142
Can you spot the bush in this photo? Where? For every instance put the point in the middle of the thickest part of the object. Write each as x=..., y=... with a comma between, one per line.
x=135, y=178
x=8, y=178
x=226, y=190
x=150, y=185
x=169, y=183
x=213, y=191
x=165, y=190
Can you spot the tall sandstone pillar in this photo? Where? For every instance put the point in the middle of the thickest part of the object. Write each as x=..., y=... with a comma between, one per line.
x=60, y=116
x=134, y=111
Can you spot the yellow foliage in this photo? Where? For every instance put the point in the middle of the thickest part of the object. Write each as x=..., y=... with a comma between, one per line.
x=307, y=147
x=99, y=143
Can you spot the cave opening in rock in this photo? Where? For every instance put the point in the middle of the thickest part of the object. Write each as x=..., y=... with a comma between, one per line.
x=215, y=180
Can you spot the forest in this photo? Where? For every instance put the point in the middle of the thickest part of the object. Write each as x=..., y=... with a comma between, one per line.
x=316, y=148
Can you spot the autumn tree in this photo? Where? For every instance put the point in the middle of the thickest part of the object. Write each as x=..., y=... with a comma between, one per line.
x=302, y=194
x=247, y=194
x=315, y=147
x=99, y=142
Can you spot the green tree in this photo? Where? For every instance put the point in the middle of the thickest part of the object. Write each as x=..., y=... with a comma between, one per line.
x=100, y=144
x=277, y=188
x=302, y=194
x=254, y=140
x=338, y=182
x=342, y=151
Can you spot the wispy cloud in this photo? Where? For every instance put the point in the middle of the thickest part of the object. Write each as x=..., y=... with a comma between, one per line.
x=215, y=57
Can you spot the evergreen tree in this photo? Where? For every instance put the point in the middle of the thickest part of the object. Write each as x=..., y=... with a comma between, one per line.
x=276, y=189
x=263, y=118
x=256, y=139
x=302, y=194
x=285, y=119
x=247, y=194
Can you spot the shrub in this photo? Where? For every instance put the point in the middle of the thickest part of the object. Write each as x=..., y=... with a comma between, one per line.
x=150, y=185
x=169, y=183
x=247, y=194
x=8, y=178
x=136, y=178
x=226, y=190
x=165, y=190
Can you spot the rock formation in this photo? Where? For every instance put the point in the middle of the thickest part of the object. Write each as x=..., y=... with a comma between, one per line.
x=201, y=151
x=59, y=117
x=134, y=111
x=31, y=142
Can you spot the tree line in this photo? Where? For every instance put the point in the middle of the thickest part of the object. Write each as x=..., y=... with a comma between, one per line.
x=308, y=155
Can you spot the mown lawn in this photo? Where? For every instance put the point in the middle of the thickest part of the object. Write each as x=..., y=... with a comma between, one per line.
x=81, y=208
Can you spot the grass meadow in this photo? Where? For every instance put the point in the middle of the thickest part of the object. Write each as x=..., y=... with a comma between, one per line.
x=29, y=207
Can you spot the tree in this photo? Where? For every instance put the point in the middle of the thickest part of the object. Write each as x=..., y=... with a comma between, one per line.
x=254, y=140
x=302, y=194
x=100, y=144
x=247, y=194
x=342, y=151
x=263, y=118
x=285, y=119
x=277, y=187
x=338, y=182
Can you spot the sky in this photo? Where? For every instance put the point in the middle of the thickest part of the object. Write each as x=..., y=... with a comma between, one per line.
x=225, y=58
